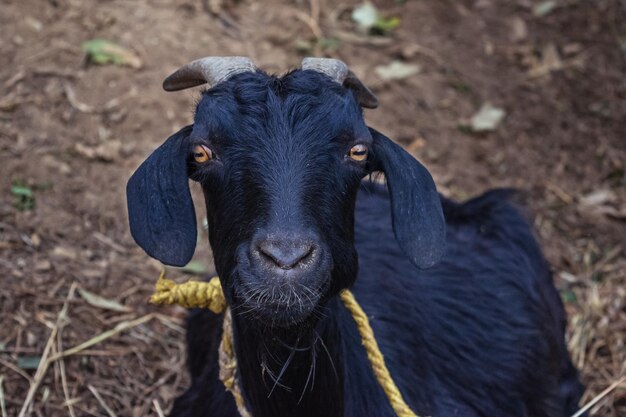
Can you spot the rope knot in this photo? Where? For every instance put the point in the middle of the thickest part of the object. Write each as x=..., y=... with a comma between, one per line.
x=191, y=294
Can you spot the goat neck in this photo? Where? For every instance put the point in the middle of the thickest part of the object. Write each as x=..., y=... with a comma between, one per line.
x=287, y=373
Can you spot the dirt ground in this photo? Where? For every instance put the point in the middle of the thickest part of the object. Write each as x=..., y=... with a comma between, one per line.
x=71, y=133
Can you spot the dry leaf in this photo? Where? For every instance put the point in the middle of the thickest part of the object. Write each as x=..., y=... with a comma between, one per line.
x=107, y=152
x=102, y=52
x=598, y=198
x=488, y=118
x=101, y=302
x=550, y=61
x=397, y=70
x=365, y=16
x=64, y=252
x=544, y=8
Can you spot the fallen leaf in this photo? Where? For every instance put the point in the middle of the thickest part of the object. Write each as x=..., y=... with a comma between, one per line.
x=102, y=52
x=63, y=252
x=21, y=190
x=569, y=296
x=101, y=302
x=8, y=104
x=35, y=24
x=28, y=363
x=386, y=24
x=397, y=70
x=488, y=118
x=365, y=15
x=215, y=6
x=544, y=8
x=43, y=265
x=24, y=197
x=107, y=152
x=195, y=268
x=519, y=29
x=550, y=61
x=617, y=214
x=602, y=202
x=598, y=198
x=35, y=239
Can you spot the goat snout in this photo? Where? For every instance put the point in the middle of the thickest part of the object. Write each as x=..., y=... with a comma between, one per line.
x=286, y=252
x=282, y=276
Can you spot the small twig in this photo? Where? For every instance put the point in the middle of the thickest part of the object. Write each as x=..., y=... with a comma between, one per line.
x=16, y=78
x=355, y=39
x=17, y=370
x=558, y=191
x=78, y=105
x=86, y=108
x=101, y=401
x=159, y=382
x=158, y=408
x=599, y=397
x=45, y=362
x=54, y=72
x=109, y=242
x=103, y=336
x=310, y=22
x=66, y=391
x=3, y=406
x=169, y=322
x=315, y=15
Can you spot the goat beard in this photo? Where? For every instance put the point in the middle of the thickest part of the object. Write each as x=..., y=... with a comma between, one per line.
x=280, y=304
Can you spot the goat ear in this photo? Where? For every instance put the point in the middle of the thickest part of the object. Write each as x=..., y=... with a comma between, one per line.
x=160, y=210
x=416, y=212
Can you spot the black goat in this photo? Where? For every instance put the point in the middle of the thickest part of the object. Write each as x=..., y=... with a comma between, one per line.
x=281, y=162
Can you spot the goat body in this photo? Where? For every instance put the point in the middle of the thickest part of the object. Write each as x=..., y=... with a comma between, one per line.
x=469, y=321
x=479, y=334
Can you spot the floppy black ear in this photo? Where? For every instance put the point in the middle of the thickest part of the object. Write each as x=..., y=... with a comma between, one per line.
x=416, y=212
x=160, y=210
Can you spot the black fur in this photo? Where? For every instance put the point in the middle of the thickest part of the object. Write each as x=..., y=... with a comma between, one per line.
x=481, y=333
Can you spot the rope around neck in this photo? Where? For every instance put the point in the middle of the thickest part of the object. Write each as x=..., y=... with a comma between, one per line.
x=201, y=294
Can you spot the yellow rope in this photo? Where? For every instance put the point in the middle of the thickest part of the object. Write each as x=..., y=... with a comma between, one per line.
x=191, y=294
x=375, y=356
x=228, y=365
x=200, y=294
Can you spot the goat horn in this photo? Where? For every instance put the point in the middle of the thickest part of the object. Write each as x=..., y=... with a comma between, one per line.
x=334, y=68
x=212, y=70
x=339, y=72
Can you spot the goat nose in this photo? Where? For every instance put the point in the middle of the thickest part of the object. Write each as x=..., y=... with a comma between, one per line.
x=285, y=254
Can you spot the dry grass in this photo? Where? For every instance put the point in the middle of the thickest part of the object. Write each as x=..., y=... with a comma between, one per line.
x=118, y=365
x=597, y=330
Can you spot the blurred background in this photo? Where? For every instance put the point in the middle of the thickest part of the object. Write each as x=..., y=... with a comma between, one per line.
x=523, y=93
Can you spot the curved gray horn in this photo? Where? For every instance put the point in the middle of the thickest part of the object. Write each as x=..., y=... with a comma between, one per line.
x=339, y=72
x=334, y=68
x=212, y=70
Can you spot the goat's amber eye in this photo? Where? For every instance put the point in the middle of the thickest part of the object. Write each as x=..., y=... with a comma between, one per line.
x=202, y=154
x=358, y=153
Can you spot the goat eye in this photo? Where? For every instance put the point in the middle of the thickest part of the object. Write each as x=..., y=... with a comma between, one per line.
x=358, y=152
x=202, y=154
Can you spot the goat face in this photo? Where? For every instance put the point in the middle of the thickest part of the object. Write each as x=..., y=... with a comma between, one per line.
x=280, y=161
x=280, y=189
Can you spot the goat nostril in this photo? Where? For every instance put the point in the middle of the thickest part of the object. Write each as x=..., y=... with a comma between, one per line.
x=285, y=255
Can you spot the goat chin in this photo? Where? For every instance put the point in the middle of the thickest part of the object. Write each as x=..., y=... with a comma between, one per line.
x=277, y=301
